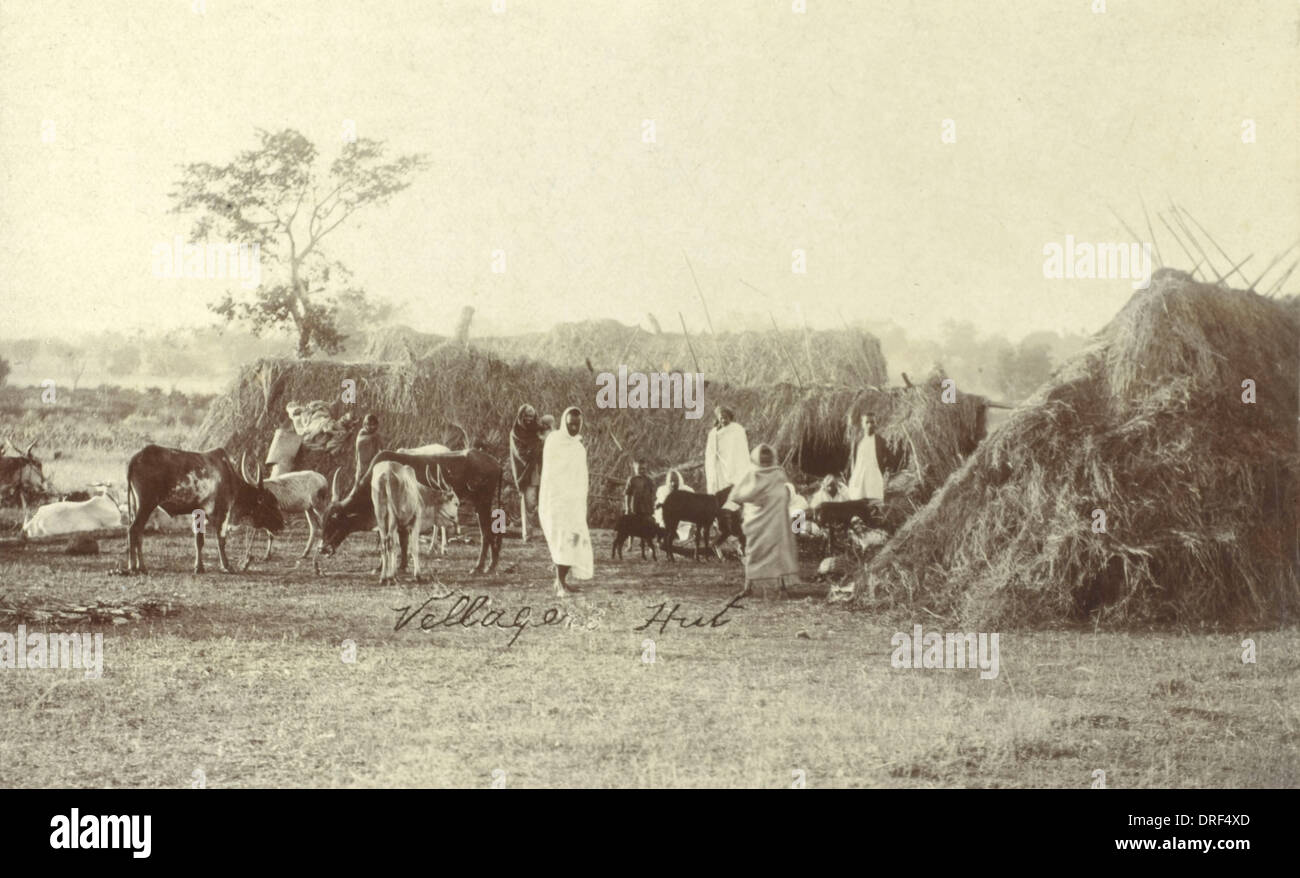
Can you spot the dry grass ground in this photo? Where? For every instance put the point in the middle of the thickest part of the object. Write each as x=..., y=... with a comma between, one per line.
x=246, y=682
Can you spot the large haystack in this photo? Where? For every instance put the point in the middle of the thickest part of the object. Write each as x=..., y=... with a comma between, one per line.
x=420, y=401
x=1148, y=425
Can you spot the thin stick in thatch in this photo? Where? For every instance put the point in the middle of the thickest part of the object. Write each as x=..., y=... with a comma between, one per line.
x=654, y=321
x=687, y=336
x=1127, y=227
x=707, y=318
x=1195, y=243
x=1160, y=260
x=1222, y=277
x=1276, y=259
x=779, y=341
x=807, y=344
x=1190, y=257
x=1277, y=286
x=1217, y=247
x=630, y=338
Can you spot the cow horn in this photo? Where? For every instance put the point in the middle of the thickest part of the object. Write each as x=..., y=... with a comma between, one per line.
x=428, y=477
x=334, y=485
x=28, y=452
x=260, y=475
x=442, y=482
x=243, y=466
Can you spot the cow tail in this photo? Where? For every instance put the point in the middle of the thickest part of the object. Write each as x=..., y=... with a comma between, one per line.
x=131, y=500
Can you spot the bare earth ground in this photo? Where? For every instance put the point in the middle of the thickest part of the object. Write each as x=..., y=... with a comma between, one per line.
x=245, y=681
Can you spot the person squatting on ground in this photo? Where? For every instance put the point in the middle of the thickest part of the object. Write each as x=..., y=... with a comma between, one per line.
x=562, y=502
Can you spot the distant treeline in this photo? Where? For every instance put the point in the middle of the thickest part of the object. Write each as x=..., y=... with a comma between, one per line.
x=207, y=359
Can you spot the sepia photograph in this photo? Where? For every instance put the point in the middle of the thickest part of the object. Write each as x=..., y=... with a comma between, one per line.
x=763, y=394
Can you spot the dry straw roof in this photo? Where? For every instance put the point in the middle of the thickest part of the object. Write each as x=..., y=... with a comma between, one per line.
x=1148, y=425
x=418, y=401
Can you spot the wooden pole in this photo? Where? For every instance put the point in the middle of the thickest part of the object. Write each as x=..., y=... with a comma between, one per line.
x=691, y=347
x=789, y=358
x=1221, y=278
x=1276, y=259
x=1217, y=247
x=1195, y=243
x=1160, y=260
x=1277, y=286
x=1190, y=257
x=707, y=318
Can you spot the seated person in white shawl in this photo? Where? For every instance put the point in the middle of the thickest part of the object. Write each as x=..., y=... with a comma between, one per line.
x=867, y=481
x=562, y=502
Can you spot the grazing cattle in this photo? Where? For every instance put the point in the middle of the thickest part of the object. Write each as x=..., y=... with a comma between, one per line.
x=642, y=527
x=701, y=510
x=183, y=481
x=473, y=475
x=21, y=473
x=439, y=531
x=399, y=501
x=303, y=491
x=73, y=516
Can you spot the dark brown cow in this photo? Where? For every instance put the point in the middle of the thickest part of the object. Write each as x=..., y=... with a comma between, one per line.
x=182, y=481
x=474, y=475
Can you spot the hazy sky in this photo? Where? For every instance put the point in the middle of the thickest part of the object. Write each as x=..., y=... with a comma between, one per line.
x=775, y=131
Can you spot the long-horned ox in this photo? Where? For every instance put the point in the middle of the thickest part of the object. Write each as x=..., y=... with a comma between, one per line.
x=303, y=491
x=184, y=481
x=400, y=502
x=472, y=475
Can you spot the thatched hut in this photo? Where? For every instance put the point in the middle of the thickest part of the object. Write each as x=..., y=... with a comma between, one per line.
x=837, y=357
x=1150, y=426
x=426, y=400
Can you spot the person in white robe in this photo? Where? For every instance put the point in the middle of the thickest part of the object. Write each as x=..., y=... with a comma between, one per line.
x=726, y=454
x=867, y=480
x=562, y=502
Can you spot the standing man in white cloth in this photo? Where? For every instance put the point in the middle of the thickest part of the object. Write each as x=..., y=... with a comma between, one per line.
x=562, y=502
x=867, y=480
x=726, y=454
